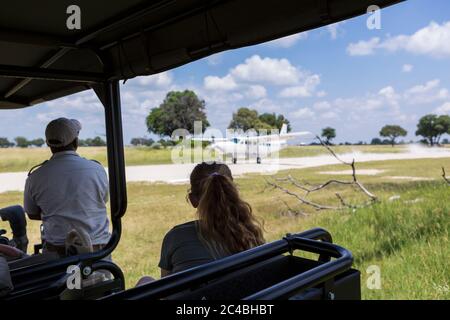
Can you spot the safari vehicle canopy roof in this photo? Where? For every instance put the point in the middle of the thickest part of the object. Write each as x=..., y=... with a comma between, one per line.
x=128, y=38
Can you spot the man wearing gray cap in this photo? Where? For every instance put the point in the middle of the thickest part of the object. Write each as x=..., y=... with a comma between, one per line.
x=67, y=192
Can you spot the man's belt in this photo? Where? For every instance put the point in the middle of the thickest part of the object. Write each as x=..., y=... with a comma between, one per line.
x=61, y=250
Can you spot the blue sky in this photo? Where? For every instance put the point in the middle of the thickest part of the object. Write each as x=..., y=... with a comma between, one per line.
x=345, y=76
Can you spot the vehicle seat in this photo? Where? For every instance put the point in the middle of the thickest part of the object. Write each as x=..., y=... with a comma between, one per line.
x=247, y=281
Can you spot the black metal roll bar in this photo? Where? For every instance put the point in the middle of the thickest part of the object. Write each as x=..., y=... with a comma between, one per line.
x=109, y=94
x=189, y=278
x=52, y=285
x=312, y=277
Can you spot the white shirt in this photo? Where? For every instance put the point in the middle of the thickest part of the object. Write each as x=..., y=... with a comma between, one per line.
x=69, y=192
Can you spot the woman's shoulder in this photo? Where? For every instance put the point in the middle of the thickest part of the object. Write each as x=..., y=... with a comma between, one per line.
x=189, y=224
x=183, y=228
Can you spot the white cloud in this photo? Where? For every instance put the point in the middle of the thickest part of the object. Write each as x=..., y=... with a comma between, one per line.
x=333, y=29
x=222, y=84
x=407, y=67
x=444, y=109
x=306, y=89
x=215, y=59
x=265, y=105
x=388, y=92
x=371, y=104
x=363, y=48
x=249, y=79
x=329, y=115
x=266, y=70
x=426, y=93
x=321, y=93
x=432, y=40
x=256, y=92
x=289, y=41
x=390, y=96
x=163, y=79
x=303, y=113
x=322, y=105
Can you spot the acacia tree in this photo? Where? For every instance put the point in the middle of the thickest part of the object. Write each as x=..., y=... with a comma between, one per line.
x=275, y=121
x=22, y=142
x=329, y=134
x=432, y=127
x=39, y=142
x=393, y=132
x=5, y=143
x=179, y=110
x=142, y=142
x=246, y=119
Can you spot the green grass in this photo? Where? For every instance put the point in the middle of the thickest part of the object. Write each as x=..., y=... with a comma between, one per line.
x=17, y=159
x=406, y=238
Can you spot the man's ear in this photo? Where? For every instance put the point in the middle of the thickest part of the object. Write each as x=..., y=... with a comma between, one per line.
x=193, y=199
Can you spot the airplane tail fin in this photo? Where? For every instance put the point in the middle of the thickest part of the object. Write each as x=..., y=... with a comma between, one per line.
x=283, y=129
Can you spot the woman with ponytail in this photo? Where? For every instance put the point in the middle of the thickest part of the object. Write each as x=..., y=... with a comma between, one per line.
x=225, y=225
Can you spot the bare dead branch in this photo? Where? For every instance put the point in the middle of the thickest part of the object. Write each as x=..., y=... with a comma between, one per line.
x=444, y=175
x=294, y=211
x=296, y=183
x=308, y=188
x=367, y=192
x=332, y=151
x=302, y=199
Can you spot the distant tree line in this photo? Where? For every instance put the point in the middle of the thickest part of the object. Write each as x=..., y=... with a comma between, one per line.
x=94, y=142
x=149, y=142
x=181, y=108
x=431, y=128
x=22, y=142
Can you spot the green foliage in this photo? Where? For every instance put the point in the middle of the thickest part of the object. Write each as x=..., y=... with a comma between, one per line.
x=275, y=121
x=408, y=241
x=329, y=134
x=39, y=142
x=376, y=141
x=166, y=143
x=5, y=143
x=95, y=142
x=22, y=142
x=393, y=132
x=142, y=142
x=179, y=110
x=246, y=119
x=432, y=127
x=148, y=142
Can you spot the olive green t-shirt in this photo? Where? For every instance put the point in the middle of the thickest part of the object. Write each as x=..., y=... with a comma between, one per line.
x=182, y=249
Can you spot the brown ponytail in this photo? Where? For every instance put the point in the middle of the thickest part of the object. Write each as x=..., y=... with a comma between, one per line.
x=226, y=222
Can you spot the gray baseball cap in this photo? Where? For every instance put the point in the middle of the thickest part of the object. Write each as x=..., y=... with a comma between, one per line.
x=61, y=132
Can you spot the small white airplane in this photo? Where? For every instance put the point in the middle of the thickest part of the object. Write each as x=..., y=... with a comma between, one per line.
x=252, y=146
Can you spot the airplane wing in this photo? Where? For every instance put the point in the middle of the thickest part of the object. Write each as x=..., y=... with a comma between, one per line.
x=291, y=135
x=285, y=136
x=208, y=139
